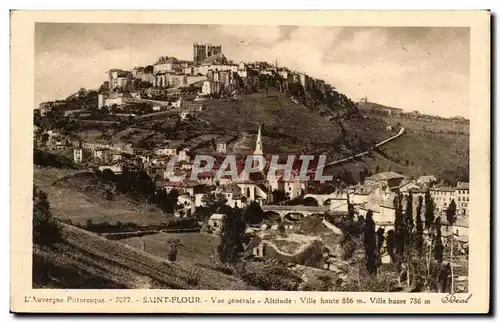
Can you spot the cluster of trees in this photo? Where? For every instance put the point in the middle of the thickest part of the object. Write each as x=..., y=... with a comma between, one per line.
x=46, y=159
x=138, y=184
x=232, y=236
x=415, y=247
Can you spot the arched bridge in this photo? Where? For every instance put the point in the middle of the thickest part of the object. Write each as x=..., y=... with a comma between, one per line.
x=327, y=199
x=293, y=210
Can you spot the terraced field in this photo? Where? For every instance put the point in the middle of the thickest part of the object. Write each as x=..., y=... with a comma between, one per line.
x=194, y=247
x=86, y=260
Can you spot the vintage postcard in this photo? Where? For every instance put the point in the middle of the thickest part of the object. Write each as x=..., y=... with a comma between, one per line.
x=250, y=162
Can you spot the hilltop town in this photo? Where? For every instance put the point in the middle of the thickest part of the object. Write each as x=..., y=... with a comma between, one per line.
x=102, y=158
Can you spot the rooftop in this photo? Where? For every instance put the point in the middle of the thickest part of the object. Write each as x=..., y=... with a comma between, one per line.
x=385, y=176
x=217, y=216
x=427, y=178
x=443, y=189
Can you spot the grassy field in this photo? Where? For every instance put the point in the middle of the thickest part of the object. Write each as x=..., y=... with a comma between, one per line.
x=45, y=176
x=80, y=207
x=194, y=247
x=70, y=200
x=86, y=260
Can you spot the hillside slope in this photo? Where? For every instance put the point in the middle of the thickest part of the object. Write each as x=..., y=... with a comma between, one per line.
x=429, y=153
x=79, y=196
x=86, y=260
x=292, y=127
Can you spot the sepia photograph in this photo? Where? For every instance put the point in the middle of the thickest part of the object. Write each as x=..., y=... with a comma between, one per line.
x=273, y=157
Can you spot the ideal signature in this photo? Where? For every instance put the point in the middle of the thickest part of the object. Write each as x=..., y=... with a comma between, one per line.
x=454, y=298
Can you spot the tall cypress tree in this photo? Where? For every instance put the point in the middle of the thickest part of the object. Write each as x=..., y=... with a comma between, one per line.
x=438, y=243
x=451, y=213
x=429, y=210
x=370, y=243
x=391, y=242
x=409, y=213
x=399, y=228
x=380, y=239
x=451, y=217
x=419, y=229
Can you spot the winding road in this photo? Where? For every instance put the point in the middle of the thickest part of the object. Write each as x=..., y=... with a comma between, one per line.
x=383, y=142
x=343, y=160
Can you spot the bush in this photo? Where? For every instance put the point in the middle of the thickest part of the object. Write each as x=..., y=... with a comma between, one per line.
x=173, y=247
x=194, y=277
x=282, y=229
x=270, y=275
x=321, y=283
x=182, y=223
x=109, y=195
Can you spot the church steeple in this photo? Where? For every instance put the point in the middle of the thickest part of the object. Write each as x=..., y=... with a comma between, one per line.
x=258, y=143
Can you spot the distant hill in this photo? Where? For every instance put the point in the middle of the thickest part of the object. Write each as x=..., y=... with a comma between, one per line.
x=293, y=127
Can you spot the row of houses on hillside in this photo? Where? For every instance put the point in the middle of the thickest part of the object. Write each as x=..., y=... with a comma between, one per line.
x=210, y=71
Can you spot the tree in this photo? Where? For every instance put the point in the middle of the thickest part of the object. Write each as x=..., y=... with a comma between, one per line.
x=451, y=213
x=408, y=229
x=438, y=243
x=451, y=217
x=444, y=275
x=108, y=175
x=361, y=220
x=391, y=242
x=409, y=213
x=369, y=240
x=419, y=229
x=232, y=235
x=380, y=239
x=167, y=201
x=214, y=201
x=253, y=213
x=399, y=228
x=429, y=210
x=46, y=230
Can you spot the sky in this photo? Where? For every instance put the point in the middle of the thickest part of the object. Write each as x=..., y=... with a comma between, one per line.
x=414, y=68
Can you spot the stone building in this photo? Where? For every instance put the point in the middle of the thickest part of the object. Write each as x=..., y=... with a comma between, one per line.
x=119, y=79
x=203, y=51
